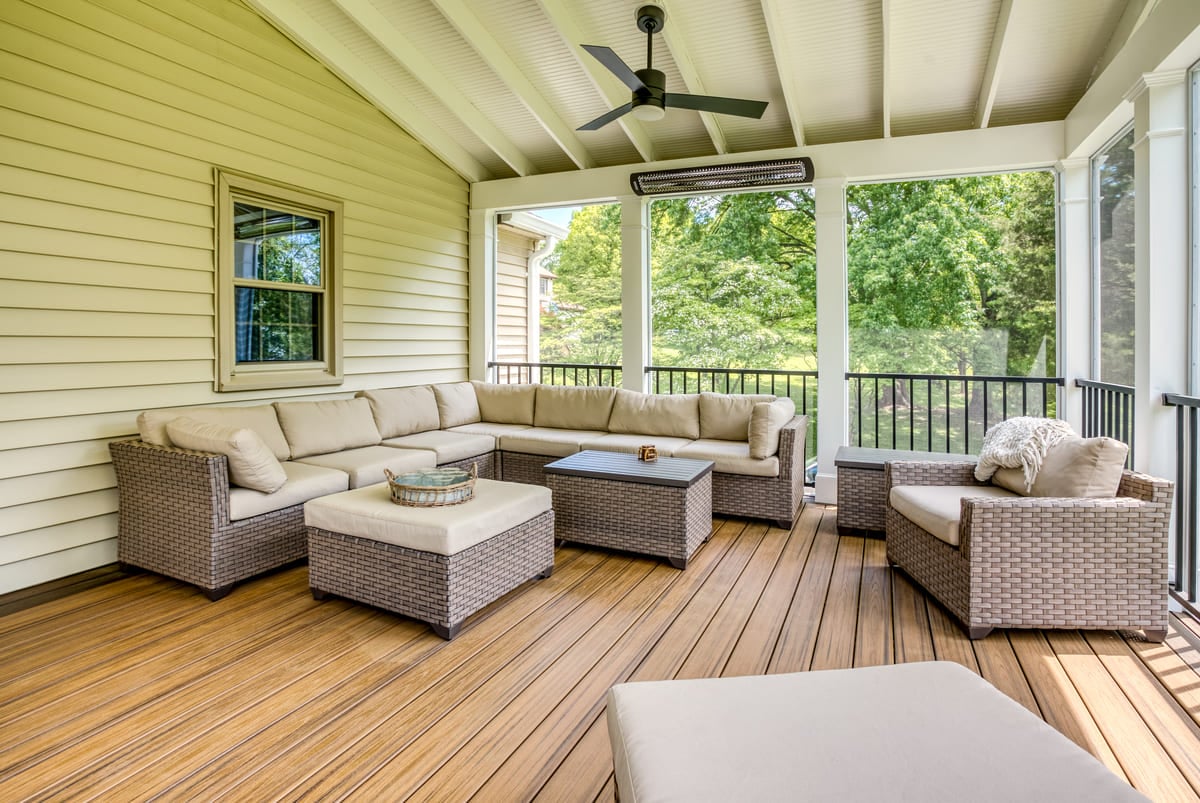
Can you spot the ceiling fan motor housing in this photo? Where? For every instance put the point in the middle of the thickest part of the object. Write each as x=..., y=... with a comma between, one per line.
x=654, y=93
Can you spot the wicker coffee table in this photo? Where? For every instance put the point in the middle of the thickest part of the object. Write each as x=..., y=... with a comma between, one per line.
x=614, y=500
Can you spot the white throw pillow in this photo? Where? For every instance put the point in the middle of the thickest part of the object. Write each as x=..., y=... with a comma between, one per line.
x=251, y=462
x=766, y=421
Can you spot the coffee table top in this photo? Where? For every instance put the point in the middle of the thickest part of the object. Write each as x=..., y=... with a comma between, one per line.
x=679, y=472
x=872, y=458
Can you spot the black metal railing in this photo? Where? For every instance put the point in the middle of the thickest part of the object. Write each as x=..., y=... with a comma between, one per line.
x=556, y=373
x=1187, y=455
x=941, y=412
x=1108, y=411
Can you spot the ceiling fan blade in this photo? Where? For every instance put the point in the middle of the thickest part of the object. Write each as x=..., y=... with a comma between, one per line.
x=606, y=118
x=609, y=58
x=708, y=103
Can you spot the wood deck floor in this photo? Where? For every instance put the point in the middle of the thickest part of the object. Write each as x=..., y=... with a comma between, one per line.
x=142, y=687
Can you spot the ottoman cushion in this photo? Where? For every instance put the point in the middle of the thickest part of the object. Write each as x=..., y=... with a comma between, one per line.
x=446, y=530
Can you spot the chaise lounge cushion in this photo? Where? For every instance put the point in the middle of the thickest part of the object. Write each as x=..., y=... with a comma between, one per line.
x=261, y=418
x=304, y=482
x=547, y=441
x=505, y=404
x=726, y=417
x=730, y=457
x=457, y=404
x=403, y=411
x=365, y=464
x=449, y=446
x=321, y=427
x=618, y=442
x=767, y=419
x=650, y=414
x=1073, y=467
x=573, y=407
x=937, y=509
x=251, y=463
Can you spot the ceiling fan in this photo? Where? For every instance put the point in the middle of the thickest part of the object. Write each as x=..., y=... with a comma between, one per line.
x=650, y=95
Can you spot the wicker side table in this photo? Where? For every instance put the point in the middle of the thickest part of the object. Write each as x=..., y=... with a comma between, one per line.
x=861, y=504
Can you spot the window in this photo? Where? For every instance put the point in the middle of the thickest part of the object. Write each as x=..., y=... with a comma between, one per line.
x=1112, y=180
x=279, y=305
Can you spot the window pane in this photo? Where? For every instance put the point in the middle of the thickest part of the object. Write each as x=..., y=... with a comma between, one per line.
x=1114, y=182
x=277, y=325
x=276, y=246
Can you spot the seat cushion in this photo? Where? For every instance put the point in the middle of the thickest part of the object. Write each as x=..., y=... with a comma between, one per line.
x=489, y=428
x=573, y=407
x=457, y=404
x=1073, y=467
x=320, y=427
x=547, y=441
x=730, y=457
x=449, y=446
x=619, y=442
x=937, y=509
x=726, y=416
x=445, y=530
x=304, y=482
x=505, y=404
x=675, y=416
x=403, y=411
x=365, y=465
x=251, y=463
x=261, y=418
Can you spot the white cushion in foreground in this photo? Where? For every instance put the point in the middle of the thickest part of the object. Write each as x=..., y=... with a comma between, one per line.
x=918, y=732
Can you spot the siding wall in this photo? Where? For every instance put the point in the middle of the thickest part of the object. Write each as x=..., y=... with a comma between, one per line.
x=513, y=249
x=113, y=114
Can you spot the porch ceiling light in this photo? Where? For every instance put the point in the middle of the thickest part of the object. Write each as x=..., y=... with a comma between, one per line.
x=724, y=177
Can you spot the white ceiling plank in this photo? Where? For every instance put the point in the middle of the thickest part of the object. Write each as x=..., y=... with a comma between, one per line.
x=325, y=48
x=886, y=8
x=408, y=54
x=995, y=66
x=611, y=90
x=464, y=20
x=789, y=73
x=676, y=41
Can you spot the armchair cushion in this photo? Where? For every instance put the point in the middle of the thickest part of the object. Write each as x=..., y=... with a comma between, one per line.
x=937, y=509
x=1089, y=467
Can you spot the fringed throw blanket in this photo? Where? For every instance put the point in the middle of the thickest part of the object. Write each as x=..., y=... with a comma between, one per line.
x=1020, y=442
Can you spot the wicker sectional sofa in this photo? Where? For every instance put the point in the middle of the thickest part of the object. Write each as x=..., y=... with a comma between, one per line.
x=181, y=515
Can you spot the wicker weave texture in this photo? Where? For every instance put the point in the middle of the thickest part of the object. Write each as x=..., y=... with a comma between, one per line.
x=860, y=499
x=1028, y=562
x=524, y=468
x=485, y=462
x=441, y=590
x=174, y=519
x=776, y=498
x=665, y=521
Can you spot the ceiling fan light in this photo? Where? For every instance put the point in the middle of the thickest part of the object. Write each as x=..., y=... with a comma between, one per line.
x=649, y=112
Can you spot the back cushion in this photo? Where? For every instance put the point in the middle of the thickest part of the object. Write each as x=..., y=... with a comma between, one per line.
x=260, y=418
x=1080, y=467
x=457, y=404
x=726, y=416
x=505, y=404
x=675, y=416
x=767, y=419
x=572, y=407
x=250, y=462
x=320, y=427
x=403, y=411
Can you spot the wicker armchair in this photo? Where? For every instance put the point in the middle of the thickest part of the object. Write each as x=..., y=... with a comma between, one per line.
x=1030, y=562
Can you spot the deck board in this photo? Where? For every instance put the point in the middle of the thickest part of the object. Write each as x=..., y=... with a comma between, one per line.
x=141, y=687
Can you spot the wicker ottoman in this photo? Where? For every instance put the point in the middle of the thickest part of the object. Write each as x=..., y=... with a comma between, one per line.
x=436, y=564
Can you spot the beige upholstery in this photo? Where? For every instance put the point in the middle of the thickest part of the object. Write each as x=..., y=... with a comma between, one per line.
x=251, y=463
x=573, y=407
x=615, y=442
x=304, y=482
x=932, y=732
x=1088, y=467
x=320, y=427
x=730, y=457
x=547, y=441
x=403, y=411
x=449, y=446
x=726, y=417
x=365, y=464
x=489, y=428
x=938, y=508
x=505, y=404
x=649, y=414
x=447, y=530
x=152, y=424
x=766, y=421
x=457, y=404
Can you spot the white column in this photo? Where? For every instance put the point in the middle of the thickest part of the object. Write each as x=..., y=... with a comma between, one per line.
x=832, y=334
x=1076, y=310
x=1161, y=264
x=481, y=284
x=635, y=291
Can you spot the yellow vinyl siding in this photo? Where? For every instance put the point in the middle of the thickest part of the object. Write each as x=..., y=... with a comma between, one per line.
x=513, y=249
x=114, y=115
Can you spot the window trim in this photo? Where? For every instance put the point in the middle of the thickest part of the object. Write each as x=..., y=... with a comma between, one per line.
x=230, y=376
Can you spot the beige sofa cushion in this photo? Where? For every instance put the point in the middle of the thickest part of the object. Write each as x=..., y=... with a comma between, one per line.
x=726, y=416
x=629, y=444
x=304, y=482
x=365, y=464
x=937, y=509
x=457, y=404
x=488, y=428
x=675, y=416
x=1073, y=467
x=152, y=424
x=767, y=419
x=251, y=462
x=403, y=411
x=573, y=407
x=320, y=427
x=505, y=404
x=730, y=457
x=447, y=445
x=547, y=442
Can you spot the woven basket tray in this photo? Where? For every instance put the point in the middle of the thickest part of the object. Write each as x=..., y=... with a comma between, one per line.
x=432, y=487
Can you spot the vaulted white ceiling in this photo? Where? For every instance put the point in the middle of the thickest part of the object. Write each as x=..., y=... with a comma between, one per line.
x=497, y=88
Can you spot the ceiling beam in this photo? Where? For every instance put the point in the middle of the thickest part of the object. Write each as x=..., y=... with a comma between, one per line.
x=995, y=65
x=325, y=48
x=676, y=41
x=785, y=63
x=459, y=14
x=887, y=68
x=611, y=90
x=408, y=54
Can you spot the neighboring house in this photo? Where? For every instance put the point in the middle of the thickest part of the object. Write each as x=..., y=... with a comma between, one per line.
x=524, y=289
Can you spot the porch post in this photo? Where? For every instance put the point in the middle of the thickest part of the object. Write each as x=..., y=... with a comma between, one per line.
x=635, y=291
x=1161, y=263
x=832, y=334
x=1075, y=309
x=481, y=286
